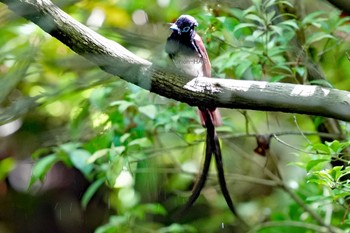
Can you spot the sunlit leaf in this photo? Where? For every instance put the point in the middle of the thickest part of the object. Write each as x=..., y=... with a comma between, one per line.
x=79, y=159
x=317, y=162
x=320, y=147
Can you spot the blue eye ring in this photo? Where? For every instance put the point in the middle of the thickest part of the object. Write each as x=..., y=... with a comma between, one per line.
x=186, y=29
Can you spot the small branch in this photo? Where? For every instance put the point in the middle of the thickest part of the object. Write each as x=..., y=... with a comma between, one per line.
x=201, y=91
x=280, y=183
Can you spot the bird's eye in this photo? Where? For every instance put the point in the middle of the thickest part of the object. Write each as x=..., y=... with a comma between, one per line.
x=186, y=29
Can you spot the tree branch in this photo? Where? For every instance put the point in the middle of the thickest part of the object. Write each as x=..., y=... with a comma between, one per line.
x=201, y=91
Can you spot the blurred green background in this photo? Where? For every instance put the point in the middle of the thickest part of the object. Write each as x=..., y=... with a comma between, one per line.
x=83, y=151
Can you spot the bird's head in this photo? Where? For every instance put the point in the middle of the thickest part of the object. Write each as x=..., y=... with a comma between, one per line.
x=184, y=25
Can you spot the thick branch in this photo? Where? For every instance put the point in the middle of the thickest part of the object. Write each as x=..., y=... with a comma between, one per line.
x=117, y=60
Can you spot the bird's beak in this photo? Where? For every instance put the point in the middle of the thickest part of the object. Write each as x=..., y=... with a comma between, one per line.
x=175, y=28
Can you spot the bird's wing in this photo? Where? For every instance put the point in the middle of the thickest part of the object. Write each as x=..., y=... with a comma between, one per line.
x=198, y=43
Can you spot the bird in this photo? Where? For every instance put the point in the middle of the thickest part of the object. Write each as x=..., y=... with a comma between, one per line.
x=186, y=48
x=187, y=51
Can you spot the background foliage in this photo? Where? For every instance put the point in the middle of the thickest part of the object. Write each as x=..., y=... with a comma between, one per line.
x=82, y=151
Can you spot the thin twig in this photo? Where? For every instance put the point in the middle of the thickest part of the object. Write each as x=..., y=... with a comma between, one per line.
x=301, y=132
x=295, y=197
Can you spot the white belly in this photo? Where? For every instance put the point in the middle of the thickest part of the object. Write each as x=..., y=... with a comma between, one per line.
x=192, y=66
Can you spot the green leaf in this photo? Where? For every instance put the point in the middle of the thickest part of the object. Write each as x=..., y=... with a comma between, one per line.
x=98, y=154
x=320, y=147
x=242, y=68
x=318, y=181
x=340, y=195
x=40, y=152
x=116, y=150
x=149, y=110
x=318, y=198
x=6, y=166
x=277, y=78
x=141, y=211
x=277, y=29
x=325, y=178
x=124, y=137
x=89, y=193
x=290, y=23
x=256, y=70
x=336, y=146
x=269, y=3
x=336, y=172
x=244, y=25
x=68, y=147
x=344, y=28
x=141, y=142
x=123, y=105
x=286, y=3
x=312, y=17
x=317, y=162
x=317, y=36
x=114, y=170
x=79, y=159
x=154, y=209
x=41, y=168
x=255, y=18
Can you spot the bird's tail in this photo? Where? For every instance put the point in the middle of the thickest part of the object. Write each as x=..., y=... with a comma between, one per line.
x=202, y=179
x=206, y=120
x=213, y=147
x=214, y=114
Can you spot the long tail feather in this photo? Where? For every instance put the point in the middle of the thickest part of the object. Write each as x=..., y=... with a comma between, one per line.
x=212, y=147
x=215, y=148
x=213, y=141
x=221, y=176
x=202, y=179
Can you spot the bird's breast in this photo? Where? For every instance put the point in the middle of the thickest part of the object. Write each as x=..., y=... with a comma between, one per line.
x=191, y=65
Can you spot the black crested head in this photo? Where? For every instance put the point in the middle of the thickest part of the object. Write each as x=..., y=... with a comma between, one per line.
x=184, y=25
